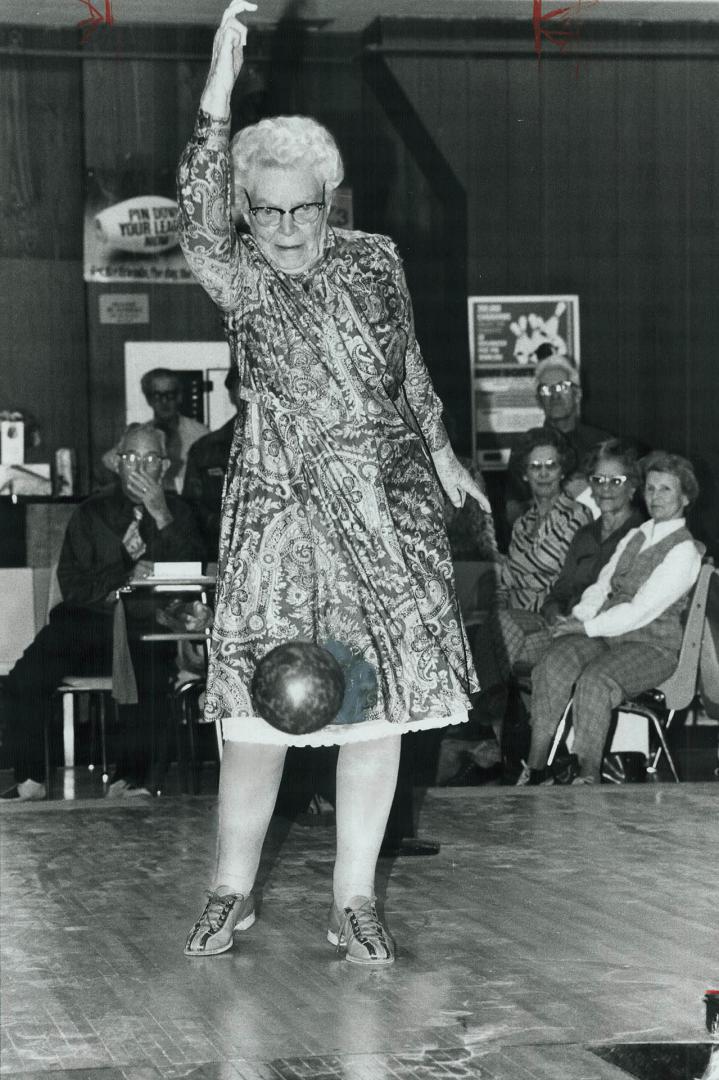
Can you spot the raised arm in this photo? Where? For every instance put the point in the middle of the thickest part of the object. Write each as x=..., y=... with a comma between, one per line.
x=207, y=235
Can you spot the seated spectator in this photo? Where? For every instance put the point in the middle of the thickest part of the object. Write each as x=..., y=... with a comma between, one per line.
x=112, y=538
x=624, y=635
x=205, y=473
x=163, y=391
x=559, y=394
x=537, y=551
x=614, y=477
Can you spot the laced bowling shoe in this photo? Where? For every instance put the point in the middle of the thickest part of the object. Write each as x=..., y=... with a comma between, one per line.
x=214, y=931
x=357, y=929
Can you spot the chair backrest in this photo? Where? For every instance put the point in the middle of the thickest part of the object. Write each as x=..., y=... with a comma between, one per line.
x=679, y=689
x=709, y=659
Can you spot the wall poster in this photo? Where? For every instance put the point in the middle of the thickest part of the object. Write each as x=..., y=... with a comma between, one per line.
x=201, y=367
x=505, y=333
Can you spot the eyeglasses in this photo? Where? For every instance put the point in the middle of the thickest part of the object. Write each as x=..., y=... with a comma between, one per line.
x=608, y=481
x=163, y=395
x=269, y=217
x=131, y=459
x=537, y=466
x=549, y=389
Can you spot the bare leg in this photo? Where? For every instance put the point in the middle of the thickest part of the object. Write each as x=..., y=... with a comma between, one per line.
x=366, y=779
x=249, y=781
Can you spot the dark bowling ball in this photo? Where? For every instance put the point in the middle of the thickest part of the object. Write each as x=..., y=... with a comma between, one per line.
x=298, y=687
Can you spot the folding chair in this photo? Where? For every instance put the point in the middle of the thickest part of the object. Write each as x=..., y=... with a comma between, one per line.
x=659, y=706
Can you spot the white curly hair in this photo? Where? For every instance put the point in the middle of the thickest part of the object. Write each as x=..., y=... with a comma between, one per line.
x=286, y=140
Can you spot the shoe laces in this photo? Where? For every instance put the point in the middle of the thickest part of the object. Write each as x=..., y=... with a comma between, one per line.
x=217, y=908
x=364, y=924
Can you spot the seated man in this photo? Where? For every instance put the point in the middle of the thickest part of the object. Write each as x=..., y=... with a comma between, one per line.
x=163, y=392
x=205, y=473
x=112, y=538
x=559, y=394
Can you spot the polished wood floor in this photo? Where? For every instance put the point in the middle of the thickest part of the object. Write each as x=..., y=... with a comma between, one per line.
x=553, y=921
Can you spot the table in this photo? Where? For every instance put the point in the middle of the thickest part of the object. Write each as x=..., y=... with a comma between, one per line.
x=201, y=584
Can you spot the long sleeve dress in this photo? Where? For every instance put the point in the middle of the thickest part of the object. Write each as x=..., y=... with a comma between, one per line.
x=332, y=528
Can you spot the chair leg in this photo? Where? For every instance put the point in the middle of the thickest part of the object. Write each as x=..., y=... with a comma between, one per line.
x=48, y=764
x=194, y=769
x=559, y=733
x=178, y=721
x=663, y=747
x=103, y=737
x=68, y=730
x=92, y=722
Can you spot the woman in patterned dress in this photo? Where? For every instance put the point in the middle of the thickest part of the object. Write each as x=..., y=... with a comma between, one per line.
x=332, y=527
x=538, y=549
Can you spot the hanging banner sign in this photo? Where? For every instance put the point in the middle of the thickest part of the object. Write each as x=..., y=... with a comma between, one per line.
x=134, y=240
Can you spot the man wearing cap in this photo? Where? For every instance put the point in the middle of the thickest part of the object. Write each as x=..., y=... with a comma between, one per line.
x=559, y=394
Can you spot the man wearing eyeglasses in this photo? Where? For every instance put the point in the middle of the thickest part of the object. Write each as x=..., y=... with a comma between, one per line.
x=112, y=538
x=559, y=395
x=163, y=393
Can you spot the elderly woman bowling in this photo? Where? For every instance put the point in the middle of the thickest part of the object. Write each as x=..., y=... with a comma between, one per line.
x=332, y=529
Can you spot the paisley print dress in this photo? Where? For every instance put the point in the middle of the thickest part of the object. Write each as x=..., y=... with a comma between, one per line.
x=332, y=524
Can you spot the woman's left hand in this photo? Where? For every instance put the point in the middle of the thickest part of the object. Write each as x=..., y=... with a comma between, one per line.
x=568, y=625
x=457, y=481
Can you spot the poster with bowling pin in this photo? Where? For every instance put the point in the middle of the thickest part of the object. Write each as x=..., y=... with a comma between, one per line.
x=508, y=336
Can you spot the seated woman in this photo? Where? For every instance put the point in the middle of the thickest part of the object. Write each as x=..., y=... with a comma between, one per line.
x=537, y=552
x=614, y=477
x=625, y=633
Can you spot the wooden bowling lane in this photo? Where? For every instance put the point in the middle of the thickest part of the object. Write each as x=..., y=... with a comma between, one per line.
x=552, y=920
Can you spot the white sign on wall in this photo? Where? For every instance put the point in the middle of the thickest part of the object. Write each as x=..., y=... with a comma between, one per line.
x=212, y=358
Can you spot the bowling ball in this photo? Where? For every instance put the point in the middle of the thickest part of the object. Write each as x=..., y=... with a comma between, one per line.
x=298, y=687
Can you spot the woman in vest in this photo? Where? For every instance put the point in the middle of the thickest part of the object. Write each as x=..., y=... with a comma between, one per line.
x=625, y=633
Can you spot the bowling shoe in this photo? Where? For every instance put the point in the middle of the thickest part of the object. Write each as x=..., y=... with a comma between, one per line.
x=26, y=791
x=357, y=929
x=224, y=913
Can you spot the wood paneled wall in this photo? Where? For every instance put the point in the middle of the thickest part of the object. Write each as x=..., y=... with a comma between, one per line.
x=593, y=172
x=125, y=103
x=43, y=358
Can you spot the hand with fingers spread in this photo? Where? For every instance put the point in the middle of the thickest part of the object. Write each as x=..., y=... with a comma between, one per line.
x=456, y=481
x=227, y=57
x=567, y=625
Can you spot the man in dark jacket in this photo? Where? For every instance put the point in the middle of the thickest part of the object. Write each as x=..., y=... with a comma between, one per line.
x=112, y=538
x=205, y=473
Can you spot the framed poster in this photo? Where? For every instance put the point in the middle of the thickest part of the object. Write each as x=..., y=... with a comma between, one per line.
x=508, y=335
